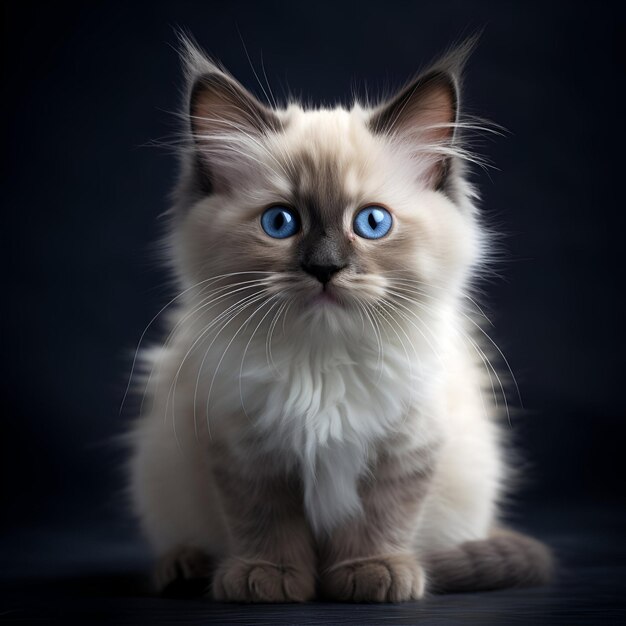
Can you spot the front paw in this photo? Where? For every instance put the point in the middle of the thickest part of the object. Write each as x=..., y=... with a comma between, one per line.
x=391, y=578
x=240, y=580
x=181, y=565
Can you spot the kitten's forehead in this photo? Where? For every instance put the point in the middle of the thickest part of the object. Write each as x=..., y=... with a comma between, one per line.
x=323, y=154
x=317, y=187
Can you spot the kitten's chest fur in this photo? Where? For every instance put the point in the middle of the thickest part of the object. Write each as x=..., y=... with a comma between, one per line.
x=320, y=408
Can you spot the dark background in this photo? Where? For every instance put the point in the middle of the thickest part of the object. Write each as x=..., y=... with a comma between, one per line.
x=87, y=89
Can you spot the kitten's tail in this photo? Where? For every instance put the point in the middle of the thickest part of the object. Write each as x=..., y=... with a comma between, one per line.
x=505, y=559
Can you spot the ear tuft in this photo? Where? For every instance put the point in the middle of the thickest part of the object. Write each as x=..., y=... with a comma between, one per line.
x=194, y=60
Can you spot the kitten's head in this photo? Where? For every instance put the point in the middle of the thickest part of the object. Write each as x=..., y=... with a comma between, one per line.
x=332, y=210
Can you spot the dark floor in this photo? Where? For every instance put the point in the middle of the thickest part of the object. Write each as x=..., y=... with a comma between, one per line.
x=95, y=575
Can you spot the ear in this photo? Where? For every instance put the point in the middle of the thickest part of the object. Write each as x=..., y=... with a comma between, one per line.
x=225, y=120
x=424, y=114
x=218, y=104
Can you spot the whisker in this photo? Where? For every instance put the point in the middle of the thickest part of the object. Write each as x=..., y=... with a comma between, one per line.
x=480, y=352
x=417, y=284
x=419, y=330
x=268, y=343
x=207, y=303
x=219, y=363
x=390, y=319
x=231, y=314
x=209, y=280
x=492, y=342
x=243, y=358
x=379, y=341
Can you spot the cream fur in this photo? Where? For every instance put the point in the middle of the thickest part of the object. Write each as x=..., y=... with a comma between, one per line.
x=328, y=397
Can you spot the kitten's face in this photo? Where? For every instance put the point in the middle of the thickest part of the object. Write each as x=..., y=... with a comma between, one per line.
x=325, y=210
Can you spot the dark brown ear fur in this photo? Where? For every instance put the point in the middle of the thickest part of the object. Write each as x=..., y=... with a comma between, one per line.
x=218, y=103
x=426, y=110
x=219, y=106
x=430, y=99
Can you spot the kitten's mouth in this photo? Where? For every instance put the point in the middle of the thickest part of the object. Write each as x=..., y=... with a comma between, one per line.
x=326, y=296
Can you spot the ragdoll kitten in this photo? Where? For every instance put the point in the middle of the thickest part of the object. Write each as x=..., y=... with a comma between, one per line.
x=315, y=423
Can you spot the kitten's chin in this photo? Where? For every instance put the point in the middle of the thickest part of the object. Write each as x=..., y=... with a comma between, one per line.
x=330, y=311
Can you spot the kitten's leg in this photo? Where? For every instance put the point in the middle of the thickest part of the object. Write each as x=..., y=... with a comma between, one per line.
x=273, y=559
x=182, y=563
x=174, y=495
x=371, y=558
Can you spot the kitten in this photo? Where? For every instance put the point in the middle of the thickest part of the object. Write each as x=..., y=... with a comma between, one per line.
x=315, y=424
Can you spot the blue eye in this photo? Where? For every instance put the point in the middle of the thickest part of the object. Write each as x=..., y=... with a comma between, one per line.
x=372, y=222
x=280, y=222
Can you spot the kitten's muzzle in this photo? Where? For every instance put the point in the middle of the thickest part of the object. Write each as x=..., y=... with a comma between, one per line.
x=323, y=273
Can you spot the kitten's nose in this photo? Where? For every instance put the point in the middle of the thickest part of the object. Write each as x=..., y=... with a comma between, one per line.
x=323, y=273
